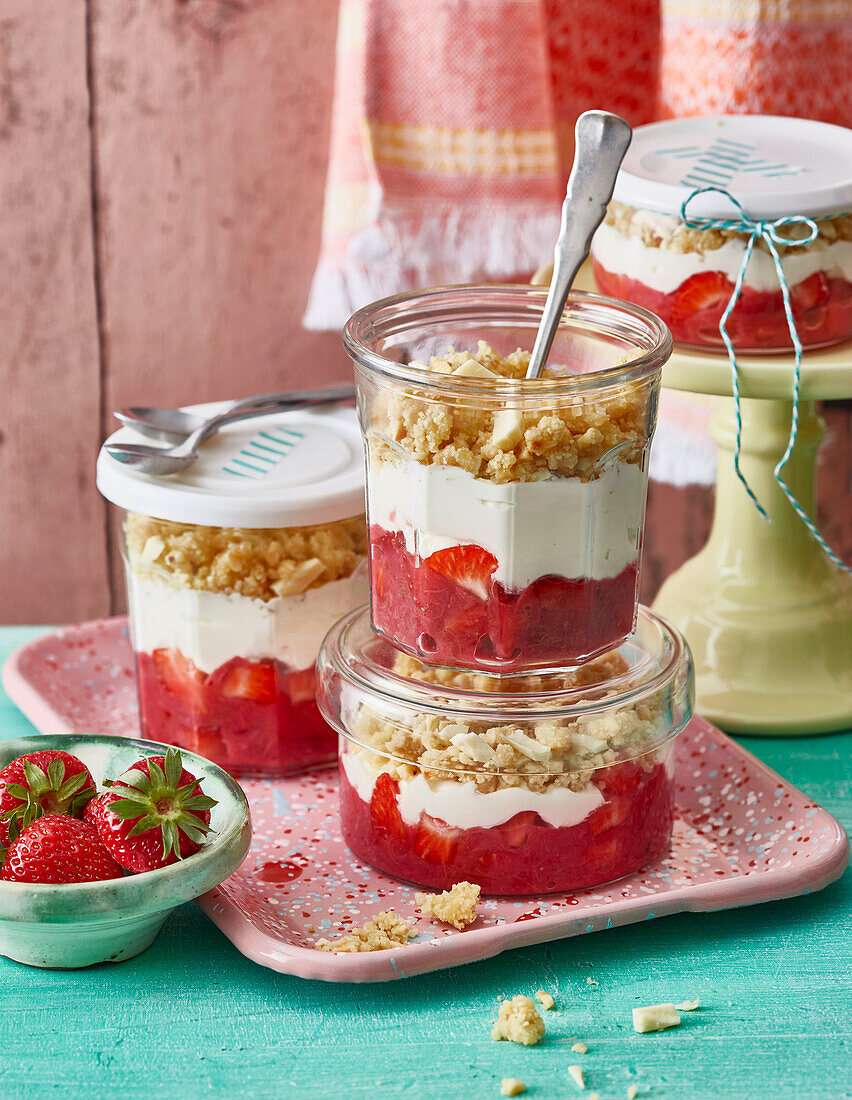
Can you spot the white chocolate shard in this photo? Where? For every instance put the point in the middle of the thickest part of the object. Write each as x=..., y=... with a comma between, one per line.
x=154, y=546
x=471, y=369
x=474, y=746
x=508, y=429
x=512, y=1086
x=576, y=1075
x=528, y=746
x=632, y=1092
x=655, y=1018
x=687, y=1006
x=302, y=577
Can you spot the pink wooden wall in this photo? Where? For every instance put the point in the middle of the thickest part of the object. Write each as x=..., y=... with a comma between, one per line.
x=161, y=172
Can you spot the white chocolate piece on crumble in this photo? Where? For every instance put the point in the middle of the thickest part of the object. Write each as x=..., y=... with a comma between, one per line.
x=519, y=1022
x=687, y=1006
x=471, y=369
x=544, y=999
x=508, y=429
x=384, y=932
x=512, y=1086
x=456, y=906
x=576, y=1075
x=655, y=1018
x=580, y=1048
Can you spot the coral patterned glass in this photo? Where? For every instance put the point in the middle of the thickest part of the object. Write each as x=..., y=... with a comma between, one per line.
x=528, y=785
x=505, y=515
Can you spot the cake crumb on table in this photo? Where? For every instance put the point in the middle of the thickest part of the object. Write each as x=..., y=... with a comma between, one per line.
x=383, y=932
x=544, y=999
x=456, y=906
x=655, y=1018
x=687, y=1006
x=591, y=981
x=576, y=1075
x=580, y=1048
x=512, y=1086
x=519, y=1022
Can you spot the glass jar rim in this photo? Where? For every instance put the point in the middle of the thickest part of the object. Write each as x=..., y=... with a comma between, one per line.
x=590, y=314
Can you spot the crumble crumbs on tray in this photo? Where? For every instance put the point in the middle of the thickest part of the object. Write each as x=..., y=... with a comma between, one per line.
x=384, y=932
x=259, y=563
x=580, y=1048
x=518, y=1021
x=550, y=753
x=672, y=235
x=565, y=438
x=512, y=1086
x=544, y=999
x=456, y=906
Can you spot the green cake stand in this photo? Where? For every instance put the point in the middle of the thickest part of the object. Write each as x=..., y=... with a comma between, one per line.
x=767, y=614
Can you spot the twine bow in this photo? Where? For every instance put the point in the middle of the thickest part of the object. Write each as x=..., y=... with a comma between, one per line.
x=767, y=231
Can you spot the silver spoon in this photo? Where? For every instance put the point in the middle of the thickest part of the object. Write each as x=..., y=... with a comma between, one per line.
x=173, y=425
x=601, y=140
x=171, y=460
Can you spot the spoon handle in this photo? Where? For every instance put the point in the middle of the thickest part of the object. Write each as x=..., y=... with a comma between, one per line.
x=263, y=404
x=601, y=140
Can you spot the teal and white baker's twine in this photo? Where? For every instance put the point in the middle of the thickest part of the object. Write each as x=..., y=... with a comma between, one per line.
x=766, y=231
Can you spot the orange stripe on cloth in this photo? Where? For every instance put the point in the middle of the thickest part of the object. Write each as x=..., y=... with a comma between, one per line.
x=462, y=152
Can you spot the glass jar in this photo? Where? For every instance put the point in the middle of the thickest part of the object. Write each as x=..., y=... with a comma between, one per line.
x=505, y=514
x=535, y=784
x=226, y=618
x=774, y=168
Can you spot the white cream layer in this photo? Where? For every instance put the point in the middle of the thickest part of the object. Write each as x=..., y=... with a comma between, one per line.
x=561, y=526
x=664, y=271
x=211, y=628
x=462, y=806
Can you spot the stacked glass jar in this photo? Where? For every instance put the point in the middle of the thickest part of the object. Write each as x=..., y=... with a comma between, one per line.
x=504, y=716
x=235, y=571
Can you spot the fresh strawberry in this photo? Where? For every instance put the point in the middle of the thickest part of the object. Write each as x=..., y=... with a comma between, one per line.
x=706, y=290
x=300, y=686
x=58, y=849
x=251, y=681
x=384, y=808
x=44, y=782
x=180, y=677
x=435, y=839
x=153, y=814
x=811, y=292
x=469, y=566
x=611, y=813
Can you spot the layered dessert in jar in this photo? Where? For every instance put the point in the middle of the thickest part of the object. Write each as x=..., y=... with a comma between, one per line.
x=524, y=785
x=226, y=620
x=506, y=515
x=686, y=270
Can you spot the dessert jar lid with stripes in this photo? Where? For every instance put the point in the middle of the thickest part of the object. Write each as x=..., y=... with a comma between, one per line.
x=236, y=569
x=740, y=214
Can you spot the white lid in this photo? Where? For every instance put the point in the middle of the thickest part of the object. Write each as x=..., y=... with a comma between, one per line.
x=288, y=469
x=774, y=166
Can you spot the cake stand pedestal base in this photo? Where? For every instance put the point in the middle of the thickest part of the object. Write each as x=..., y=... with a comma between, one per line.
x=767, y=615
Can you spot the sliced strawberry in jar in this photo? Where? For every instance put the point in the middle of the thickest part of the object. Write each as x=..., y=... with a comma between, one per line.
x=516, y=830
x=384, y=808
x=612, y=813
x=301, y=686
x=251, y=681
x=706, y=290
x=179, y=677
x=622, y=778
x=470, y=566
x=435, y=840
x=810, y=292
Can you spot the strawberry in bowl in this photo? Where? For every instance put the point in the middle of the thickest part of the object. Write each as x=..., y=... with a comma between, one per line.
x=47, y=781
x=170, y=827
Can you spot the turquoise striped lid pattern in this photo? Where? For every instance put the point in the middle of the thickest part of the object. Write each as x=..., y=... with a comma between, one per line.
x=716, y=164
x=263, y=453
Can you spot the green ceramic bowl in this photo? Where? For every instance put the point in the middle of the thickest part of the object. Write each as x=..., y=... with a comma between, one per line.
x=82, y=923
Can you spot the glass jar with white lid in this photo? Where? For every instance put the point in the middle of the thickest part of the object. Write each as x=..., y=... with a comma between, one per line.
x=235, y=570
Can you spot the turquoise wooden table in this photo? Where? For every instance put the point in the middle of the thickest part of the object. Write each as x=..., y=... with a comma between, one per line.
x=191, y=1017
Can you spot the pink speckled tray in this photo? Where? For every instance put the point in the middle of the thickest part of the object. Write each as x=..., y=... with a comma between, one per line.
x=742, y=835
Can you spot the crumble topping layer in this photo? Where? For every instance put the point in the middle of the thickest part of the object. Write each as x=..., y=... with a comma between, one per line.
x=518, y=1021
x=565, y=438
x=538, y=755
x=456, y=906
x=262, y=563
x=384, y=932
x=672, y=235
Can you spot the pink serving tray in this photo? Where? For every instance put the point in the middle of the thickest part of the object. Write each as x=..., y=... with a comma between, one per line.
x=742, y=835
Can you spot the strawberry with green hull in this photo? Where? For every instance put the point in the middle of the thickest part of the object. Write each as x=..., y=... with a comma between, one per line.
x=152, y=815
x=59, y=849
x=45, y=782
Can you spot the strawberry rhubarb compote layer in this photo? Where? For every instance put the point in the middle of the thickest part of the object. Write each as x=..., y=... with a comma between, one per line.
x=523, y=807
x=686, y=276
x=505, y=538
x=226, y=625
